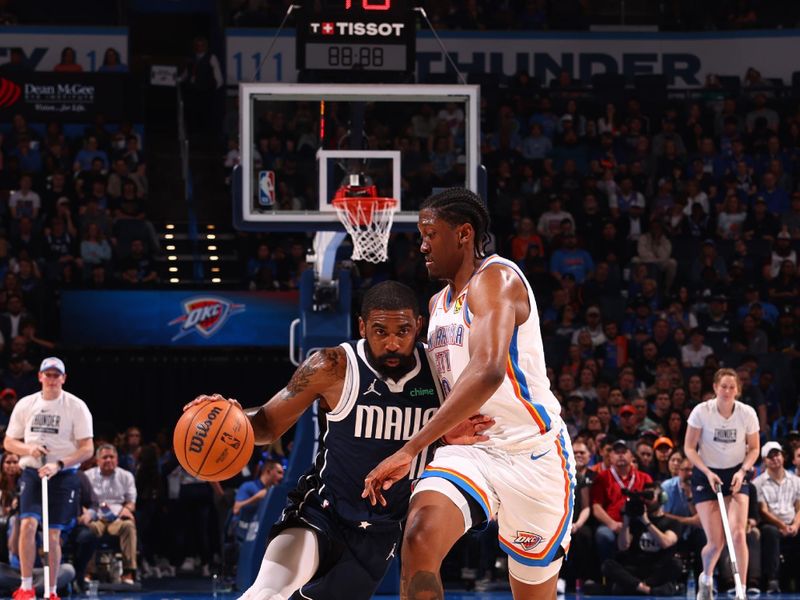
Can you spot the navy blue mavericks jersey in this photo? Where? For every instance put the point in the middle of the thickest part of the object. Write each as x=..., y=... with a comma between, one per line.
x=373, y=419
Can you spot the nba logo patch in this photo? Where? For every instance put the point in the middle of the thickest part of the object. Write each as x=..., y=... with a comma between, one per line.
x=527, y=540
x=266, y=188
x=459, y=303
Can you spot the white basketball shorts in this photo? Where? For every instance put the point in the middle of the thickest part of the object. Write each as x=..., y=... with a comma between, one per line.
x=530, y=491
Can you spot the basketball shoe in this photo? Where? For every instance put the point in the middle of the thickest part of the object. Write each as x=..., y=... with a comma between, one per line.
x=21, y=594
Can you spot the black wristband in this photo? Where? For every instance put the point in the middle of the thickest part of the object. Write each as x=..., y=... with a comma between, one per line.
x=60, y=464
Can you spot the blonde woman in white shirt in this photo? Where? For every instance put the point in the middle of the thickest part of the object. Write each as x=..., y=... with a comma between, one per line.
x=722, y=443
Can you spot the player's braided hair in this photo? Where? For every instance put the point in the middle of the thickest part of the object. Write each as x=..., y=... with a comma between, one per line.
x=458, y=206
x=389, y=295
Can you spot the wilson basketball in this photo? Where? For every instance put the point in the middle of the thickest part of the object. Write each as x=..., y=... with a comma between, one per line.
x=213, y=441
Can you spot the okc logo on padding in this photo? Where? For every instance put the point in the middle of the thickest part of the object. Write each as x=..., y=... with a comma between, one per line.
x=528, y=540
x=206, y=315
x=9, y=92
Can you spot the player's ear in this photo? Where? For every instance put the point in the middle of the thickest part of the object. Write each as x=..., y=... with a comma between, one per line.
x=362, y=328
x=420, y=324
x=465, y=233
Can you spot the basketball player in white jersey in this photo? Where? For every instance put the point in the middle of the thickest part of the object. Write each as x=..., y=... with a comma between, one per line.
x=485, y=342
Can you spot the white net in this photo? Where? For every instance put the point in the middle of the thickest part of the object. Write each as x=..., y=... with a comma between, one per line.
x=369, y=222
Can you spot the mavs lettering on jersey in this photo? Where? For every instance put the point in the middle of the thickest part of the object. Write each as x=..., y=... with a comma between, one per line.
x=373, y=419
x=391, y=422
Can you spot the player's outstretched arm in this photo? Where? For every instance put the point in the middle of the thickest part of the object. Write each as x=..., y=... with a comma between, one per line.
x=319, y=376
x=498, y=299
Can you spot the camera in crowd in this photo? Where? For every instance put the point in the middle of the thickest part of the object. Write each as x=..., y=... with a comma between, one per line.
x=636, y=502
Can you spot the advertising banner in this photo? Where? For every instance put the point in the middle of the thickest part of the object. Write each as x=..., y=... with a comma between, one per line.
x=76, y=97
x=685, y=58
x=177, y=318
x=42, y=46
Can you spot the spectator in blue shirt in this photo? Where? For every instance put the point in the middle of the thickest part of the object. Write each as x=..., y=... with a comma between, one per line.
x=777, y=199
x=27, y=151
x=545, y=117
x=112, y=62
x=84, y=158
x=251, y=493
x=571, y=259
x=536, y=146
x=679, y=506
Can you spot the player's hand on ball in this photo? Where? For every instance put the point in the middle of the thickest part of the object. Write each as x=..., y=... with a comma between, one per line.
x=382, y=477
x=202, y=398
x=469, y=431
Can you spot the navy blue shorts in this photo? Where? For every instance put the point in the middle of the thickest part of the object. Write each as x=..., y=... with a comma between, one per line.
x=62, y=490
x=351, y=559
x=702, y=491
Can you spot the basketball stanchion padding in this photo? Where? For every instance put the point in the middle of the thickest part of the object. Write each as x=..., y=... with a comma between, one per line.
x=368, y=220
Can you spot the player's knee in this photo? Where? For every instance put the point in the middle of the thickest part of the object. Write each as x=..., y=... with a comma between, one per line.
x=530, y=575
x=420, y=532
x=28, y=526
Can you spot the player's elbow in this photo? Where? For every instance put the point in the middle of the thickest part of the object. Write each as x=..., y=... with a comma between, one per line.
x=491, y=372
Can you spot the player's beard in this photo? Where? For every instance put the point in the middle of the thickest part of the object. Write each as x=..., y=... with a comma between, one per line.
x=404, y=363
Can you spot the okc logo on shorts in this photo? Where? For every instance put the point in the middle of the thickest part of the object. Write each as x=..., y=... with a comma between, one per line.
x=528, y=540
x=206, y=315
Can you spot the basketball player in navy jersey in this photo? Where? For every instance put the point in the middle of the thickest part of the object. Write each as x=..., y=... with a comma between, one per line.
x=374, y=393
x=485, y=342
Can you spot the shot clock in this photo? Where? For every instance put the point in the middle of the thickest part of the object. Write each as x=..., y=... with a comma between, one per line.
x=356, y=35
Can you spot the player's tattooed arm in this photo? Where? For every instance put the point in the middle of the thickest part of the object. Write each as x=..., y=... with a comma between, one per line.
x=328, y=363
x=422, y=585
x=320, y=376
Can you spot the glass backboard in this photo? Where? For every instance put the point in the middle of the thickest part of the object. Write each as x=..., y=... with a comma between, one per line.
x=299, y=142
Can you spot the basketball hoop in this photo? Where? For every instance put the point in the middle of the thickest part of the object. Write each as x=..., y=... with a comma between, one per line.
x=368, y=220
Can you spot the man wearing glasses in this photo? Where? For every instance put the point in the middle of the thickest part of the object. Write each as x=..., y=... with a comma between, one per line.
x=51, y=431
x=779, y=505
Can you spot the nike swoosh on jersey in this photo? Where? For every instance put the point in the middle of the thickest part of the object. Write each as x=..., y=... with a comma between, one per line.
x=538, y=456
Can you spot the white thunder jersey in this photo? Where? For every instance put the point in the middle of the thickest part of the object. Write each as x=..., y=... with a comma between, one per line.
x=57, y=424
x=523, y=407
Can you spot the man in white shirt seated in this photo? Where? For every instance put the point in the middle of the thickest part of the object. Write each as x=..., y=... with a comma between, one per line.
x=779, y=505
x=116, y=494
x=694, y=354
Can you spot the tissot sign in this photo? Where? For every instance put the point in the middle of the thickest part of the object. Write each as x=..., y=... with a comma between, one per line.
x=345, y=28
